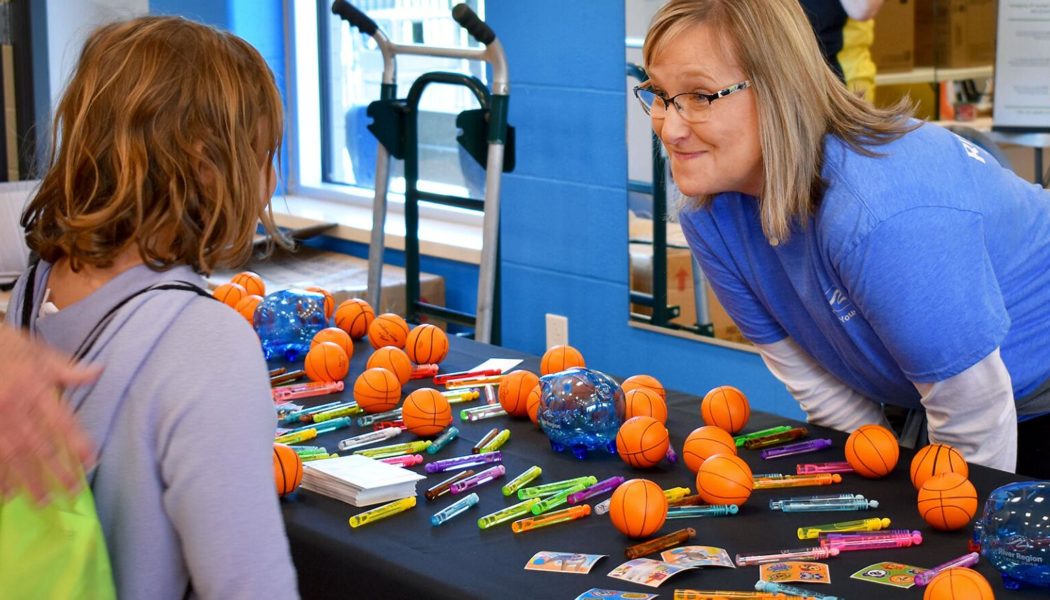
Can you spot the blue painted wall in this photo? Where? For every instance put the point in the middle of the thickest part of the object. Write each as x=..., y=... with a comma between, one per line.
x=564, y=221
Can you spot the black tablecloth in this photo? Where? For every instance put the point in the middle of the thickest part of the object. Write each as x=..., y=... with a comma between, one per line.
x=405, y=557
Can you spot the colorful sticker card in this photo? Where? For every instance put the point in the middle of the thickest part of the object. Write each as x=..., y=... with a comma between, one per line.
x=600, y=594
x=697, y=556
x=646, y=571
x=802, y=572
x=889, y=573
x=563, y=562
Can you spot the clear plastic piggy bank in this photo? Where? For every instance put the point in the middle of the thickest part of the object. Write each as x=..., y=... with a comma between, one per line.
x=1014, y=533
x=580, y=410
x=286, y=321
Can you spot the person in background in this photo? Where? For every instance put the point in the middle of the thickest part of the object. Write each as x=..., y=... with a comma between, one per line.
x=161, y=169
x=846, y=31
x=43, y=445
x=873, y=259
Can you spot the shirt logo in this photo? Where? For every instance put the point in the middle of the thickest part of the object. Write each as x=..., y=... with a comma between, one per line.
x=840, y=304
x=971, y=150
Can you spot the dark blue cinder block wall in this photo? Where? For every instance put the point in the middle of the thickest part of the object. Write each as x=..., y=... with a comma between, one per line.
x=564, y=208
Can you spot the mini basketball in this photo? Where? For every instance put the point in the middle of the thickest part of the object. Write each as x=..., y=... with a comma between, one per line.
x=644, y=402
x=247, y=307
x=377, y=390
x=336, y=336
x=251, y=282
x=644, y=381
x=327, y=361
x=229, y=294
x=947, y=501
x=514, y=390
x=703, y=443
x=426, y=412
x=958, y=583
x=559, y=358
x=287, y=469
x=872, y=451
x=427, y=345
x=725, y=407
x=388, y=329
x=936, y=459
x=642, y=442
x=638, y=508
x=533, y=404
x=354, y=316
x=329, y=301
x=724, y=479
x=392, y=359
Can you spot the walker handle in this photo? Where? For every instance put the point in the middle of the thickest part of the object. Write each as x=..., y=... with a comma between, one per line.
x=355, y=17
x=469, y=20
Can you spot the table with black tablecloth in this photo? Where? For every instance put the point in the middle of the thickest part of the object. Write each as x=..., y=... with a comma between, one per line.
x=404, y=556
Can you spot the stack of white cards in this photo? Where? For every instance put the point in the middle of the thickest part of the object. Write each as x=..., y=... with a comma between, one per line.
x=359, y=480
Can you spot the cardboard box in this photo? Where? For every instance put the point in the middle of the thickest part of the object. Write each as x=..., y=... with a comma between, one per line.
x=894, y=46
x=953, y=34
x=343, y=275
x=679, y=281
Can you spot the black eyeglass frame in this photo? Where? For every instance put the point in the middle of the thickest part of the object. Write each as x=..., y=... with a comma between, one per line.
x=722, y=93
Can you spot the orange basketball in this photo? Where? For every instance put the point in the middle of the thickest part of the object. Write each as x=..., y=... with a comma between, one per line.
x=958, y=583
x=377, y=390
x=644, y=381
x=287, y=469
x=947, y=501
x=559, y=358
x=251, y=282
x=872, y=451
x=392, y=359
x=703, y=443
x=645, y=402
x=354, y=316
x=514, y=390
x=533, y=403
x=388, y=329
x=427, y=345
x=724, y=479
x=336, y=336
x=642, y=442
x=426, y=412
x=229, y=294
x=936, y=459
x=247, y=307
x=329, y=301
x=638, y=508
x=725, y=407
x=327, y=361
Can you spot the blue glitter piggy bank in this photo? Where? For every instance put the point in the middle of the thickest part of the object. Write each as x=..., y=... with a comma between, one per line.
x=580, y=410
x=1014, y=533
x=286, y=321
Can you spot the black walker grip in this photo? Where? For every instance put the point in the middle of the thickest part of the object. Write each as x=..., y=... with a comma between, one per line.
x=469, y=20
x=355, y=17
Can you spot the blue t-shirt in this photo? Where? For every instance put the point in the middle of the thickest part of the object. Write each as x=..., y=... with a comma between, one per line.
x=916, y=265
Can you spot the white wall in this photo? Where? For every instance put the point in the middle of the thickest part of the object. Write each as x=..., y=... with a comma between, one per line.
x=68, y=24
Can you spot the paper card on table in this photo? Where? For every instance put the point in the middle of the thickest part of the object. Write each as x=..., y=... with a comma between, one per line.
x=889, y=573
x=803, y=572
x=503, y=364
x=600, y=594
x=563, y=562
x=646, y=571
x=698, y=556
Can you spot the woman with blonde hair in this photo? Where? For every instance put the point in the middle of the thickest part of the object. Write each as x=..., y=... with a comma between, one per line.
x=161, y=169
x=873, y=259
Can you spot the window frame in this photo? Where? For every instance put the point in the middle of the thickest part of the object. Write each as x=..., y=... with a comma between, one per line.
x=304, y=139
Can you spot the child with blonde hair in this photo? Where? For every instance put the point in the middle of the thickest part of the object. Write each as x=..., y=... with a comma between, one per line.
x=161, y=169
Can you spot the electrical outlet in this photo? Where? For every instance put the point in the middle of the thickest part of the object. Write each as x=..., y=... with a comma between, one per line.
x=557, y=330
